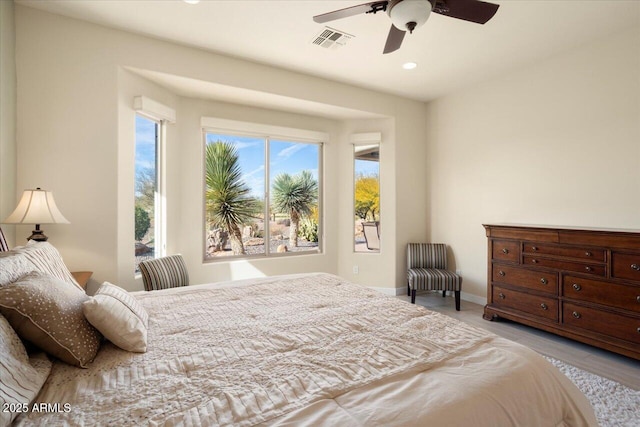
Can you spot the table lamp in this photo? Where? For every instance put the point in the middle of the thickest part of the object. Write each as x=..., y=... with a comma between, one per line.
x=36, y=207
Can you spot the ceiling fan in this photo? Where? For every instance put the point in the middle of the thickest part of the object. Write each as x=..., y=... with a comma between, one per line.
x=407, y=15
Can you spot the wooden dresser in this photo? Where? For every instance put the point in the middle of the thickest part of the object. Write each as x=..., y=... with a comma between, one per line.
x=583, y=284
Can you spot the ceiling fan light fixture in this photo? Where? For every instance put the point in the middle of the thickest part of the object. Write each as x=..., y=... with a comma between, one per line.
x=407, y=15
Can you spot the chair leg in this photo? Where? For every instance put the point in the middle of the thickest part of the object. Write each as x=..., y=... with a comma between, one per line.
x=408, y=289
x=457, y=293
x=413, y=296
x=444, y=294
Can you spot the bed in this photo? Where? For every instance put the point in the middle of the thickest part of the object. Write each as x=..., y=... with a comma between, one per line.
x=308, y=349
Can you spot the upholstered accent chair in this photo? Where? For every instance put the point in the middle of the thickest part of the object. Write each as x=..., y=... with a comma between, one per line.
x=427, y=271
x=164, y=273
x=4, y=246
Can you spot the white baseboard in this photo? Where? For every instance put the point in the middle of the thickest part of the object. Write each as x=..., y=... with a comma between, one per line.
x=470, y=297
x=390, y=291
x=402, y=291
x=473, y=298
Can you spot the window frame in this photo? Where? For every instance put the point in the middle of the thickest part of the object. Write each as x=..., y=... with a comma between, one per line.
x=160, y=205
x=359, y=139
x=267, y=133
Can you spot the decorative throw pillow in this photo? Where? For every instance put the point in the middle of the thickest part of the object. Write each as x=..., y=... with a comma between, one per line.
x=13, y=266
x=119, y=317
x=48, y=312
x=20, y=378
x=45, y=258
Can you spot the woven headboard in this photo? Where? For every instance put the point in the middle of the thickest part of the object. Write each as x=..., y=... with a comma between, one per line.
x=3, y=242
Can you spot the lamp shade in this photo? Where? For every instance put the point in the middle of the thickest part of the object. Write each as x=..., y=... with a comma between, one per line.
x=36, y=207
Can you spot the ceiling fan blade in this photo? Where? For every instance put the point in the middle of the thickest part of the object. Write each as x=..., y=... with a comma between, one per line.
x=372, y=7
x=394, y=40
x=468, y=10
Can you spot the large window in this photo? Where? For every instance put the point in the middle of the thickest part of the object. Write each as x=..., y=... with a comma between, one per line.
x=262, y=196
x=148, y=209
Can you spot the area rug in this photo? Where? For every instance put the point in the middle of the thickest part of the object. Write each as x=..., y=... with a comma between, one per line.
x=615, y=405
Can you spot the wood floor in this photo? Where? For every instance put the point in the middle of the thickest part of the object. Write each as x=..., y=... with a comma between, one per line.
x=619, y=368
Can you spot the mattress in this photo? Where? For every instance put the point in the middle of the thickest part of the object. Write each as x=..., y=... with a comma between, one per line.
x=308, y=349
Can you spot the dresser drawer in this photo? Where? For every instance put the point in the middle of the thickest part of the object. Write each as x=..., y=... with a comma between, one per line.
x=625, y=266
x=543, y=307
x=542, y=281
x=505, y=250
x=577, y=267
x=597, y=255
x=626, y=297
x=616, y=325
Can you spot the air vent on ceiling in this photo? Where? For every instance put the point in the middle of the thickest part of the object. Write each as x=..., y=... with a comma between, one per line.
x=330, y=38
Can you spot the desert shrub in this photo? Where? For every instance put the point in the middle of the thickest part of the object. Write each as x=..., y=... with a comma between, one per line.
x=143, y=222
x=308, y=229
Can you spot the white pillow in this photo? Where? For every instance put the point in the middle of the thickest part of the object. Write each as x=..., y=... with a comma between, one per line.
x=119, y=317
x=21, y=378
x=13, y=266
x=46, y=259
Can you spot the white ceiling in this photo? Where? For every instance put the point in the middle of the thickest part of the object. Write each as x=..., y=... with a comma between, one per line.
x=450, y=53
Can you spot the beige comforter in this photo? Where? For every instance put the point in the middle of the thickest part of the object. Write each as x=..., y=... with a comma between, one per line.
x=309, y=350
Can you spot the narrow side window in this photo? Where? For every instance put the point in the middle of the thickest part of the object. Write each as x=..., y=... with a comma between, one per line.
x=148, y=208
x=366, y=167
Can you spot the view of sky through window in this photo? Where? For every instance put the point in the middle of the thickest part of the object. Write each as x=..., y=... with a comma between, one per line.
x=367, y=167
x=145, y=144
x=286, y=157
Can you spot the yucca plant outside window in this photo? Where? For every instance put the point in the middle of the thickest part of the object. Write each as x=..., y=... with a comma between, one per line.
x=262, y=196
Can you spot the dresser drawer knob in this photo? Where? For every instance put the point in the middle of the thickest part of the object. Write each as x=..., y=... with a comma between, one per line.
x=587, y=253
x=577, y=315
x=543, y=306
x=588, y=268
x=577, y=287
x=501, y=295
x=544, y=281
x=534, y=248
x=638, y=298
x=502, y=273
x=535, y=261
x=635, y=267
x=505, y=251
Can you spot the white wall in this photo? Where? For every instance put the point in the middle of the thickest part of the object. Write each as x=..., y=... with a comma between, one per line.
x=74, y=139
x=411, y=186
x=7, y=117
x=557, y=143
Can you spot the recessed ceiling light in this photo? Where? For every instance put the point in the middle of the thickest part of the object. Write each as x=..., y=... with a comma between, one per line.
x=191, y=1
x=409, y=65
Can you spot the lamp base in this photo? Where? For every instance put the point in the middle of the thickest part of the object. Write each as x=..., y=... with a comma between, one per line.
x=38, y=236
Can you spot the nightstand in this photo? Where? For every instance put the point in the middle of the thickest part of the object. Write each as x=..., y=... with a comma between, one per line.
x=82, y=277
